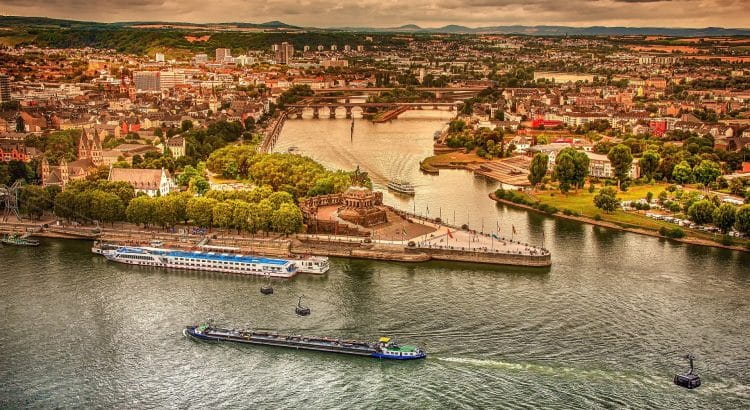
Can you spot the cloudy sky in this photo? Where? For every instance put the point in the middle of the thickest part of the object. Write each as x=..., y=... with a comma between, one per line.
x=388, y=13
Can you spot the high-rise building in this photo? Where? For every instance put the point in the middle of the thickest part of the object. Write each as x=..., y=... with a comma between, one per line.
x=4, y=88
x=222, y=54
x=334, y=47
x=147, y=80
x=284, y=53
x=200, y=58
x=159, y=57
x=360, y=48
x=347, y=48
x=170, y=79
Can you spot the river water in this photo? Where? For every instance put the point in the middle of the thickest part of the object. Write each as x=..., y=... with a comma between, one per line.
x=603, y=327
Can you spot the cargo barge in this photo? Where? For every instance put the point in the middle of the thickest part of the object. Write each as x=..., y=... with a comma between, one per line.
x=385, y=348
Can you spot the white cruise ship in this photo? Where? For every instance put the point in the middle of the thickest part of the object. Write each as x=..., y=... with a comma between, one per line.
x=216, y=262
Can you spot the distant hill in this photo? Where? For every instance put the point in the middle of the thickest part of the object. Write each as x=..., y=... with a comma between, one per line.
x=560, y=30
x=542, y=30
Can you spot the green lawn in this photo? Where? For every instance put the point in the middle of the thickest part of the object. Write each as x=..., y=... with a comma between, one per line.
x=582, y=202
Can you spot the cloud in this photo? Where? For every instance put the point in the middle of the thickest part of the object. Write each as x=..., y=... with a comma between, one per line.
x=387, y=13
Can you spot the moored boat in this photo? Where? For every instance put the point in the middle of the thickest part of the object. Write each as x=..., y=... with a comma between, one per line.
x=402, y=187
x=384, y=348
x=212, y=261
x=18, y=240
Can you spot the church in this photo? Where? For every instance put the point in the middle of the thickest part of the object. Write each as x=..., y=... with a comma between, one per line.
x=90, y=156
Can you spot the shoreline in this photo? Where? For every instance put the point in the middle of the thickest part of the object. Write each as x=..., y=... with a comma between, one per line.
x=612, y=225
x=277, y=246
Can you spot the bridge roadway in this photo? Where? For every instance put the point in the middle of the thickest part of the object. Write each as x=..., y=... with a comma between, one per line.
x=382, y=89
x=298, y=108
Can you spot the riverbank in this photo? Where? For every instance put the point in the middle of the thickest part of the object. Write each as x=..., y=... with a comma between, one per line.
x=514, y=254
x=619, y=227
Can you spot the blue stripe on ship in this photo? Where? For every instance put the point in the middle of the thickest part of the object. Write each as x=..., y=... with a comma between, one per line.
x=204, y=256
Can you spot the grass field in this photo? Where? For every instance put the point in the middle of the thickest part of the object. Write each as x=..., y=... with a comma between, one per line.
x=582, y=202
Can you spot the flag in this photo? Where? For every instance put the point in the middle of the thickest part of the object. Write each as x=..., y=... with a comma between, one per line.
x=450, y=235
x=403, y=231
x=495, y=236
x=514, y=229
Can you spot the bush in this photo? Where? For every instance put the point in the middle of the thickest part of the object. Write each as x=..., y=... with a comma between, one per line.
x=675, y=232
x=726, y=240
x=547, y=208
x=570, y=212
x=597, y=217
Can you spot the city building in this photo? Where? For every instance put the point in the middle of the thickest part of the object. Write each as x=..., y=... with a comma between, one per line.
x=152, y=182
x=159, y=57
x=284, y=53
x=222, y=54
x=601, y=167
x=170, y=79
x=147, y=80
x=200, y=58
x=4, y=88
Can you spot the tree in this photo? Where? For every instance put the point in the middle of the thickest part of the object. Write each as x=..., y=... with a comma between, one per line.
x=223, y=214
x=649, y=163
x=106, y=207
x=287, y=219
x=622, y=160
x=200, y=211
x=538, y=168
x=565, y=171
x=606, y=200
x=737, y=187
x=186, y=125
x=199, y=185
x=263, y=213
x=649, y=196
x=682, y=173
x=242, y=212
x=724, y=217
x=140, y=210
x=35, y=201
x=742, y=219
x=165, y=211
x=701, y=212
x=706, y=172
x=65, y=205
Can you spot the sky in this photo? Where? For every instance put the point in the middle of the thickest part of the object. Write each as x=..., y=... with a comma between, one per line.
x=391, y=13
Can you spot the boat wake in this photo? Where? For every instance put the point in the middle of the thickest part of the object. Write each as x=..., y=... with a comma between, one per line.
x=663, y=381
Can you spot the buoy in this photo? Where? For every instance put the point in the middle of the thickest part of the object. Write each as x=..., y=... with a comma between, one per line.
x=688, y=380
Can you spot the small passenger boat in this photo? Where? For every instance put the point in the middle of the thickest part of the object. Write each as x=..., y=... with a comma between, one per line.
x=402, y=187
x=18, y=240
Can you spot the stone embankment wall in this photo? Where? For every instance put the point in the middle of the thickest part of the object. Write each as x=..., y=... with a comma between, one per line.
x=497, y=258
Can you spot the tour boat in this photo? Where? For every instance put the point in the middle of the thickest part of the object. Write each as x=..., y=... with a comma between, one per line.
x=384, y=348
x=18, y=240
x=216, y=262
x=402, y=187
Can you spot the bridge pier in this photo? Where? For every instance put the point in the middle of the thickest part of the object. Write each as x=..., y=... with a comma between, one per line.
x=348, y=112
x=316, y=112
x=299, y=114
x=331, y=112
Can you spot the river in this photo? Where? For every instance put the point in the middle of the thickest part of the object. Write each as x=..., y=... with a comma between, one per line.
x=603, y=327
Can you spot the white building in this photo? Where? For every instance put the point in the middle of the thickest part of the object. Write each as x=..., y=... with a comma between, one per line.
x=152, y=182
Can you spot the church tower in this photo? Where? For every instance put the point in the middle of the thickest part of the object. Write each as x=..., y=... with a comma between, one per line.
x=95, y=149
x=83, y=145
x=64, y=174
x=45, y=171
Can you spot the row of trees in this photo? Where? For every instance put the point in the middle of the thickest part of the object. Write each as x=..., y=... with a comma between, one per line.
x=275, y=213
x=298, y=175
